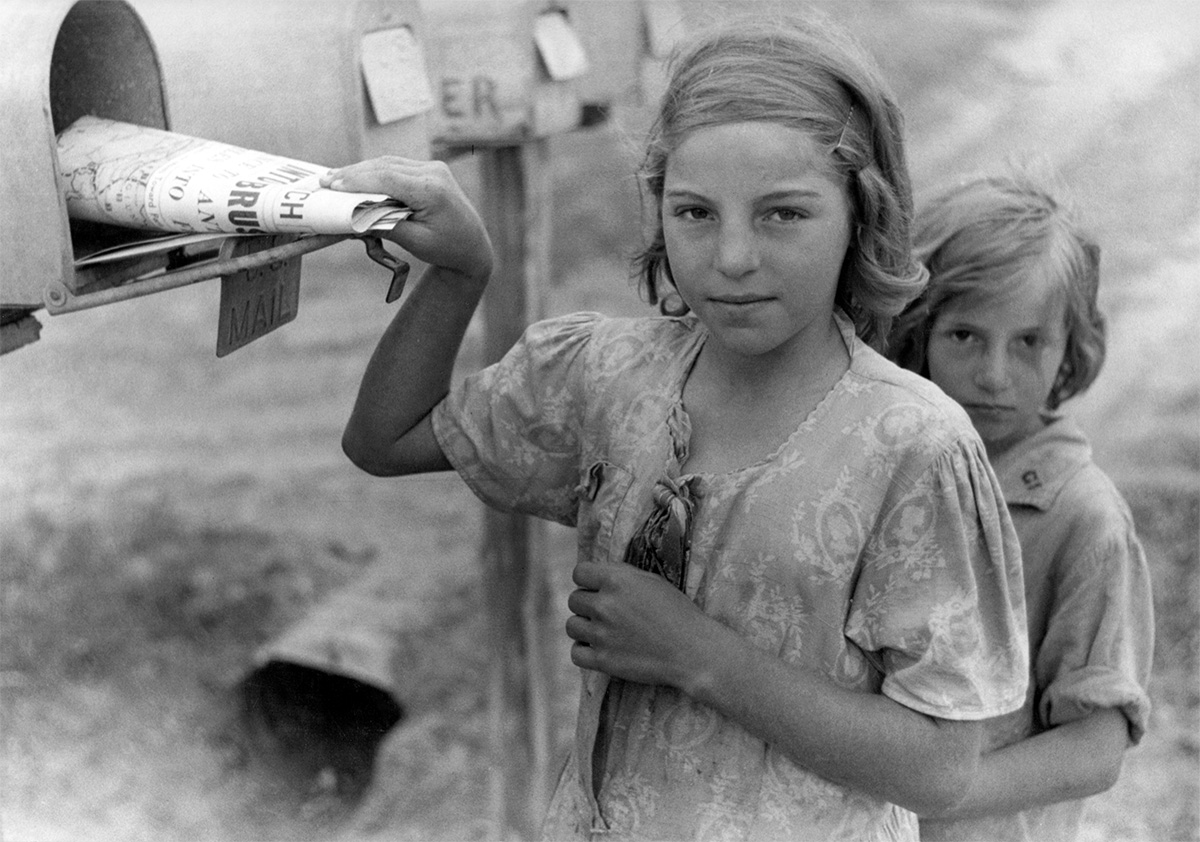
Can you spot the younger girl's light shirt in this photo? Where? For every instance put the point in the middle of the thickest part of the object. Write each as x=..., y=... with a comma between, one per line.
x=1090, y=614
x=873, y=546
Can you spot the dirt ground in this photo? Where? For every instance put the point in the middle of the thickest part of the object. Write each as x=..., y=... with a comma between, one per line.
x=166, y=513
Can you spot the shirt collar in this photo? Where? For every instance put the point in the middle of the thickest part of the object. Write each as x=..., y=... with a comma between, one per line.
x=1035, y=470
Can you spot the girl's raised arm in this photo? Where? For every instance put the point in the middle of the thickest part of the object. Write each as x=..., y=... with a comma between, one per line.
x=389, y=432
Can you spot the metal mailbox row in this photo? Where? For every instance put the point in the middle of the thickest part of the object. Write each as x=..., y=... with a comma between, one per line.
x=326, y=81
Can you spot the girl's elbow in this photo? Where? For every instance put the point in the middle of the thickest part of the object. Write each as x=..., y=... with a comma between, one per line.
x=364, y=457
x=1105, y=775
x=944, y=790
x=951, y=772
x=1102, y=738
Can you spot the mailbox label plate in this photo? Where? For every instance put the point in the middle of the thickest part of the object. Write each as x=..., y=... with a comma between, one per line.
x=255, y=302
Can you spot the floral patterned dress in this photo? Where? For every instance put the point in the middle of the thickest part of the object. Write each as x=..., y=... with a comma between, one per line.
x=873, y=546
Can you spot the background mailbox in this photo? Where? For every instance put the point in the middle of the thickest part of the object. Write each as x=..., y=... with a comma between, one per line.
x=503, y=71
x=62, y=59
x=325, y=81
x=627, y=42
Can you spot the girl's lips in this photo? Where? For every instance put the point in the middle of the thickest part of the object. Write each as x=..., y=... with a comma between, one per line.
x=740, y=299
x=988, y=410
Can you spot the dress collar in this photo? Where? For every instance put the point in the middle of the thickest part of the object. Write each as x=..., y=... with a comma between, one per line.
x=849, y=334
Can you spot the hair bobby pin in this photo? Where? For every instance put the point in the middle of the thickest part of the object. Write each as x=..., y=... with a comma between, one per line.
x=845, y=125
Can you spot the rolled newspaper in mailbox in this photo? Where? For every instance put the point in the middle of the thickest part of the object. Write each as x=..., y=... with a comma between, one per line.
x=140, y=177
x=208, y=209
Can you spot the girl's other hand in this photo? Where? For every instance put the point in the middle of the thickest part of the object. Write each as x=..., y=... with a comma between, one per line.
x=444, y=230
x=635, y=625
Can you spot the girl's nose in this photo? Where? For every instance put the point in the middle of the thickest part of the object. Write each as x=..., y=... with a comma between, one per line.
x=737, y=251
x=991, y=374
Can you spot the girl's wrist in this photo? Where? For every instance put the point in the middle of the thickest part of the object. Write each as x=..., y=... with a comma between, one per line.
x=702, y=672
x=479, y=271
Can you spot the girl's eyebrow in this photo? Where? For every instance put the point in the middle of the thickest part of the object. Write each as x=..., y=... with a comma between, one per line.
x=773, y=196
x=981, y=321
x=958, y=321
x=681, y=193
x=791, y=193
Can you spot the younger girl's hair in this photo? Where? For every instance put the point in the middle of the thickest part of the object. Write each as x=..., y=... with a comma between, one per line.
x=808, y=75
x=987, y=235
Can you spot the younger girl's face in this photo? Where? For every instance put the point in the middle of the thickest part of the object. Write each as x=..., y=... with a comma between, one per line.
x=998, y=357
x=756, y=226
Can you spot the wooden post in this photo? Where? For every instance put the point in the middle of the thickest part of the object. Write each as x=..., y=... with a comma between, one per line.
x=515, y=203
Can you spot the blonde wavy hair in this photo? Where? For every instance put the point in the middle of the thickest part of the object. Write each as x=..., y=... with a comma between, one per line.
x=810, y=75
x=989, y=233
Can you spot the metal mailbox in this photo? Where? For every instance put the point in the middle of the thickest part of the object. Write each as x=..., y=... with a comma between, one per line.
x=62, y=59
x=335, y=84
x=326, y=81
x=503, y=71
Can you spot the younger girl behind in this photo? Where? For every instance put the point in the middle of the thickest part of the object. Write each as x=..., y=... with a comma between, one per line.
x=798, y=589
x=1009, y=328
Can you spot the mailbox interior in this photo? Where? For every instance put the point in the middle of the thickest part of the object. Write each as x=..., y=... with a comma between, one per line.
x=104, y=64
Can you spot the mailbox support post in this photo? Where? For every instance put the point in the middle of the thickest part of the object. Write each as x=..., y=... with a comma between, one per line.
x=515, y=203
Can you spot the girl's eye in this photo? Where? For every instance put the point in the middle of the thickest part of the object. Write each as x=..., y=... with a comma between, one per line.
x=787, y=214
x=960, y=335
x=1031, y=341
x=692, y=213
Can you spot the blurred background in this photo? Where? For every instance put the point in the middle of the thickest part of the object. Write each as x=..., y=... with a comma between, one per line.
x=165, y=513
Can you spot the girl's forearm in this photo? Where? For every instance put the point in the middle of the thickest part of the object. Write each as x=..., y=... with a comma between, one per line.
x=409, y=372
x=634, y=625
x=1071, y=761
x=860, y=740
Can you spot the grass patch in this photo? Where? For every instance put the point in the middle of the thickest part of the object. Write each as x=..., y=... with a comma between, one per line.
x=123, y=638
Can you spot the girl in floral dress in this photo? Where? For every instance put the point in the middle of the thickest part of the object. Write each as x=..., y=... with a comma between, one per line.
x=798, y=589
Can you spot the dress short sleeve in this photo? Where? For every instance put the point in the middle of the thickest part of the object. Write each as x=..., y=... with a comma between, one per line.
x=512, y=430
x=939, y=604
x=1099, y=640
